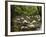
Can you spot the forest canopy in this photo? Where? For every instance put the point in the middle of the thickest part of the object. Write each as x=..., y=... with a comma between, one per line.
x=25, y=10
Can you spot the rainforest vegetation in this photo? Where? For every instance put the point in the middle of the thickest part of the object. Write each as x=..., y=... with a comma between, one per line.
x=25, y=18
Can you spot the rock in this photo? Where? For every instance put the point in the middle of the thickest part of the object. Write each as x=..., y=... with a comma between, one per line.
x=33, y=21
x=22, y=18
x=31, y=26
x=24, y=21
x=18, y=19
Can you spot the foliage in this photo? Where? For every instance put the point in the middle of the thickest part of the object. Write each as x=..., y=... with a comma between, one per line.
x=25, y=10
